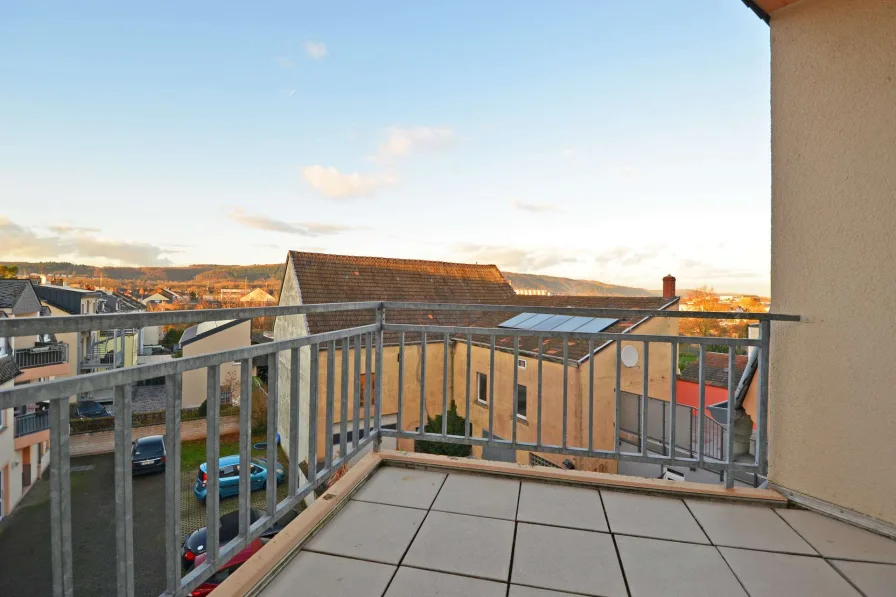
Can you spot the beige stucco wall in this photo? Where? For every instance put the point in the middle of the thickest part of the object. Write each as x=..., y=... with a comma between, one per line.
x=195, y=381
x=832, y=377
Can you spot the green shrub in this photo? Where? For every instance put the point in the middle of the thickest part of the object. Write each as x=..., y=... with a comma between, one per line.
x=456, y=426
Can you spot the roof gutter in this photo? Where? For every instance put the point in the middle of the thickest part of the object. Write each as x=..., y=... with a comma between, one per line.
x=751, y=4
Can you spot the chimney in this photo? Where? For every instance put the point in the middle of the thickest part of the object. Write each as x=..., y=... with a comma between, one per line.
x=669, y=286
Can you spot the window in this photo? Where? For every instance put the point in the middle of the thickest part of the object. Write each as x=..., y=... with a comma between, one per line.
x=227, y=471
x=482, y=388
x=521, y=401
x=255, y=470
x=521, y=363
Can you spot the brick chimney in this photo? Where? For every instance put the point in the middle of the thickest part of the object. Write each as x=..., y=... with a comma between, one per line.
x=669, y=286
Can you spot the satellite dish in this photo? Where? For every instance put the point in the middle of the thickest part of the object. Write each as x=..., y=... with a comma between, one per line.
x=629, y=356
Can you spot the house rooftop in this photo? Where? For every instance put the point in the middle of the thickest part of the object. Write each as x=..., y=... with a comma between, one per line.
x=409, y=525
x=18, y=296
x=715, y=369
x=205, y=329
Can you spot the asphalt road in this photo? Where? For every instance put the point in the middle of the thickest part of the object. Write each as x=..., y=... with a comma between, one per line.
x=25, y=534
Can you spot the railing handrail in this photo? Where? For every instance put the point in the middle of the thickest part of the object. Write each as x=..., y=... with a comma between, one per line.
x=27, y=326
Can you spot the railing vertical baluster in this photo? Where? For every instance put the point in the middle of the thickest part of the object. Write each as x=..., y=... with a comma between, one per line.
x=343, y=402
x=173, y=405
x=645, y=398
x=245, y=496
x=60, y=500
x=491, y=390
x=540, y=361
x=356, y=395
x=729, y=449
x=617, y=447
x=420, y=429
x=212, y=462
x=313, y=413
x=378, y=389
x=328, y=425
x=673, y=399
x=701, y=405
x=124, y=519
x=761, y=450
x=468, y=416
x=399, y=425
x=565, y=388
x=368, y=381
x=445, y=387
x=273, y=403
x=295, y=406
x=591, y=396
x=515, y=408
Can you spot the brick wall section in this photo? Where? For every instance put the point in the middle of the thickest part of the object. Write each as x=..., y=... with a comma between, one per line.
x=99, y=442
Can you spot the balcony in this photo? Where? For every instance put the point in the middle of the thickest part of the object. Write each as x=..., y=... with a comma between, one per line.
x=42, y=355
x=393, y=521
x=32, y=423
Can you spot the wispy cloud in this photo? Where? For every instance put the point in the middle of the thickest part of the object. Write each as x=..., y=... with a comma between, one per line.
x=315, y=50
x=284, y=61
x=535, y=207
x=330, y=182
x=403, y=141
x=511, y=258
x=260, y=222
x=71, y=242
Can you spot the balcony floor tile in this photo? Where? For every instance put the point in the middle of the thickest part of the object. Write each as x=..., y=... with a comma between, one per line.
x=651, y=516
x=402, y=487
x=752, y=527
x=835, y=539
x=412, y=582
x=669, y=569
x=479, y=495
x=875, y=580
x=368, y=531
x=766, y=574
x=461, y=544
x=561, y=559
x=562, y=506
x=320, y=574
x=521, y=591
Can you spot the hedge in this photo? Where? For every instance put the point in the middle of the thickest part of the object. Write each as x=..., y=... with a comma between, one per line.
x=142, y=419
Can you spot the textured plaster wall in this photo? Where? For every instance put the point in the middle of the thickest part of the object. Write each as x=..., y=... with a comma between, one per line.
x=833, y=376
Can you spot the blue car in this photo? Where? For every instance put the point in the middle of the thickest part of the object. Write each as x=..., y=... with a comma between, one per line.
x=229, y=477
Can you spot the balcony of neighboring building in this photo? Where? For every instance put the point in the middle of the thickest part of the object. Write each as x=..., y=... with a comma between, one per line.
x=31, y=428
x=44, y=359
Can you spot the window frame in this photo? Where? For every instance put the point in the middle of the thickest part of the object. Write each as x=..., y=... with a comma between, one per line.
x=525, y=392
x=481, y=388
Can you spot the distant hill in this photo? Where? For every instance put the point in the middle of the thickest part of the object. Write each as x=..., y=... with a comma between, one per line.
x=556, y=285
x=205, y=273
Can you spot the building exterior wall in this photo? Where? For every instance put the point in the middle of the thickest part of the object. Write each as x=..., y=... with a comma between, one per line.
x=194, y=384
x=7, y=455
x=832, y=378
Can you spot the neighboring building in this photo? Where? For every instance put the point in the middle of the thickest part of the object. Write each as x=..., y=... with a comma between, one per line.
x=258, y=296
x=317, y=278
x=230, y=294
x=163, y=295
x=716, y=375
x=213, y=336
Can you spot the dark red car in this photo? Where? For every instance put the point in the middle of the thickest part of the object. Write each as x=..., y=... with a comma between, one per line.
x=225, y=570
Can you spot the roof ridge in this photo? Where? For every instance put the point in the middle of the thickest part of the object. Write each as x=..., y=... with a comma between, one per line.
x=335, y=257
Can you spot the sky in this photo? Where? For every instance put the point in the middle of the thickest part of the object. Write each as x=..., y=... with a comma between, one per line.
x=611, y=141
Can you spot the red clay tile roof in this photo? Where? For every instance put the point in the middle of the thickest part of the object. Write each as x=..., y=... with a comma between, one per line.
x=553, y=347
x=716, y=369
x=344, y=278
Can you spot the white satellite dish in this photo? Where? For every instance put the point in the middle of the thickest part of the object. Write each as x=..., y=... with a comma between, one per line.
x=629, y=356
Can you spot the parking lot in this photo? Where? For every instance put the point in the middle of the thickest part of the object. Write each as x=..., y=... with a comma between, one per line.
x=25, y=534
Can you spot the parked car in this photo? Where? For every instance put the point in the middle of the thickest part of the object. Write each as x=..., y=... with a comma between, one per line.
x=229, y=476
x=228, y=528
x=89, y=409
x=226, y=570
x=148, y=455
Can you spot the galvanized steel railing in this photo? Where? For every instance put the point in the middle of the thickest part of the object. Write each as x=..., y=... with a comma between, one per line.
x=32, y=423
x=367, y=340
x=42, y=356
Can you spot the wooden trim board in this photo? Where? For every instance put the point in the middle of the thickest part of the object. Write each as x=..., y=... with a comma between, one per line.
x=279, y=550
x=608, y=480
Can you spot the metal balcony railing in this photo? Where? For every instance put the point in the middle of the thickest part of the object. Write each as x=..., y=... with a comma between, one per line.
x=32, y=423
x=324, y=389
x=41, y=356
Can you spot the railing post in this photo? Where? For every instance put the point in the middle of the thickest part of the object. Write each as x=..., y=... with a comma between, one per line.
x=729, y=440
x=378, y=389
x=124, y=520
x=173, y=391
x=247, y=384
x=60, y=500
